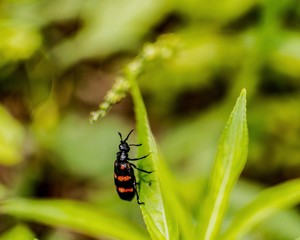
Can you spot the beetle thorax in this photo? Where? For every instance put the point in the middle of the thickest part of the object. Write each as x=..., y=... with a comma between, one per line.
x=122, y=156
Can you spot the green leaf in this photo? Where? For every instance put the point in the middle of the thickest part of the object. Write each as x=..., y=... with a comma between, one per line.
x=160, y=198
x=19, y=232
x=229, y=162
x=263, y=206
x=244, y=192
x=77, y=216
x=11, y=139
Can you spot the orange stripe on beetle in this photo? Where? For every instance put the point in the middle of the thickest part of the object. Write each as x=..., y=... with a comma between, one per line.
x=124, y=190
x=123, y=178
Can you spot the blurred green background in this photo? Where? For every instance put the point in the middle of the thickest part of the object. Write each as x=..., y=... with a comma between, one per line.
x=58, y=59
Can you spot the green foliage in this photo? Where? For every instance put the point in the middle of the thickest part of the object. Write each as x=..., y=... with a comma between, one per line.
x=11, y=139
x=263, y=206
x=20, y=232
x=229, y=163
x=58, y=60
x=161, y=197
x=80, y=217
x=158, y=214
x=17, y=41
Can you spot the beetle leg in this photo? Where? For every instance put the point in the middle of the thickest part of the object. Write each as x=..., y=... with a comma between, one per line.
x=136, y=145
x=137, y=195
x=135, y=159
x=142, y=170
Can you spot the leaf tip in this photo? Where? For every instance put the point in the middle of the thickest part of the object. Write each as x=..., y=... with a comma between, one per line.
x=244, y=92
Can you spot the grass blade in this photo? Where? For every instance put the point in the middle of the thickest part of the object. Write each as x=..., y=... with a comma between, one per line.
x=19, y=232
x=229, y=162
x=77, y=216
x=268, y=202
x=160, y=199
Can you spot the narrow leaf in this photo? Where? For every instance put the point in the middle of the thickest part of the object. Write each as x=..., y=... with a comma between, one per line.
x=160, y=200
x=77, y=216
x=268, y=202
x=229, y=162
x=20, y=232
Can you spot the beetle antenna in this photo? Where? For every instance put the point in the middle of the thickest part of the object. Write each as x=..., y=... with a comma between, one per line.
x=128, y=135
x=120, y=136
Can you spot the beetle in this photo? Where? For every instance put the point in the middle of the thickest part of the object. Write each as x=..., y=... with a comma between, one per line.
x=124, y=177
